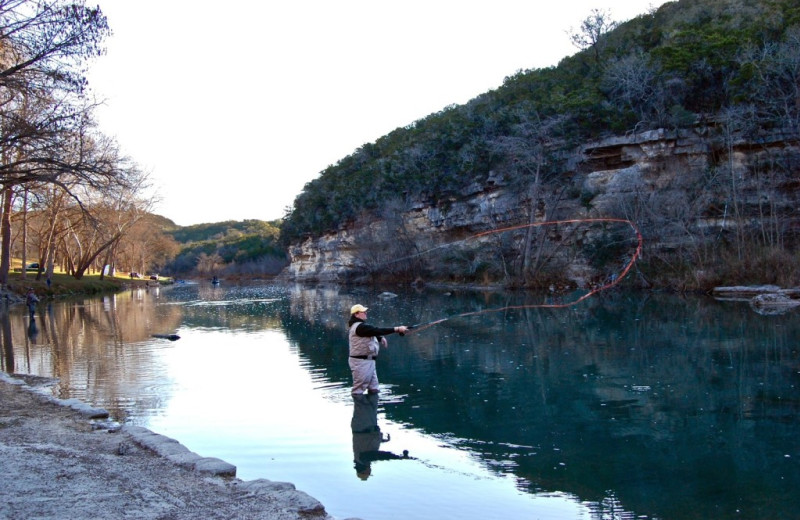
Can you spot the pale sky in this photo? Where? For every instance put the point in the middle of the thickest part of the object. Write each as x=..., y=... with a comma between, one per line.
x=232, y=107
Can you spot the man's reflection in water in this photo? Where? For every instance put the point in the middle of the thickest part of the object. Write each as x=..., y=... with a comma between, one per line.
x=367, y=436
x=33, y=330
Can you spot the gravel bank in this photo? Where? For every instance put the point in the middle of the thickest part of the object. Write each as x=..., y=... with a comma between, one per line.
x=58, y=462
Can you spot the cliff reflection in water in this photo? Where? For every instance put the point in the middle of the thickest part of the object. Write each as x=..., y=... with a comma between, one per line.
x=635, y=405
x=672, y=407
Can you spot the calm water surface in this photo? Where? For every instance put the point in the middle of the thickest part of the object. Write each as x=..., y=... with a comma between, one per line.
x=625, y=406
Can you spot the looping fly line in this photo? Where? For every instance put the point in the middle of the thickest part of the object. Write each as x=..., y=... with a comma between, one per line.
x=611, y=282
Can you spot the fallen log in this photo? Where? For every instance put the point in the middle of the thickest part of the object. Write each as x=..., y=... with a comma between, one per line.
x=171, y=337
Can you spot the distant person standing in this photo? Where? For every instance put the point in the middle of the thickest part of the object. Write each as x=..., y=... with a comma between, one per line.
x=365, y=343
x=31, y=300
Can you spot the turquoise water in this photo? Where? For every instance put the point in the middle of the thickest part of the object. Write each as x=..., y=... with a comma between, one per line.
x=628, y=405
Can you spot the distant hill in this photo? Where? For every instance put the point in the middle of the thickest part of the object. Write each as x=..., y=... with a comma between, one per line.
x=163, y=222
x=230, y=248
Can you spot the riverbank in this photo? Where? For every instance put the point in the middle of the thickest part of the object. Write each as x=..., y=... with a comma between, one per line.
x=63, y=285
x=63, y=459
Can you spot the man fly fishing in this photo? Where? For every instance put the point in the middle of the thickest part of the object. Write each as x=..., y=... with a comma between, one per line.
x=365, y=344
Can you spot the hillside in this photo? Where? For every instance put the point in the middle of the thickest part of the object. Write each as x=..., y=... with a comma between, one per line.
x=720, y=74
x=230, y=248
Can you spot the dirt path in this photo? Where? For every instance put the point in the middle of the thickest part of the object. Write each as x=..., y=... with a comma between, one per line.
x=55, y=465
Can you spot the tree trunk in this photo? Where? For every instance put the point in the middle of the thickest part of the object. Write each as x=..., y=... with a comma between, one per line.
x=5, y=233
x=107, y=261
x=25, y=234
x=533, y=196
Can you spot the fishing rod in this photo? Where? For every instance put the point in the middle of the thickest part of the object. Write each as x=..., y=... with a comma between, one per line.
x=611, y=281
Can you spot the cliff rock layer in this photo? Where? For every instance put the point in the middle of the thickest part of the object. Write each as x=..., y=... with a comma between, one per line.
x=688, y=192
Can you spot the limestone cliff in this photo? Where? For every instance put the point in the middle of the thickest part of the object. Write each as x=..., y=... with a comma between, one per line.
x=686, y=191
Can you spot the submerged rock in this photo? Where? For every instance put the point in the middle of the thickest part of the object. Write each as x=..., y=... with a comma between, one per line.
x=773, y=304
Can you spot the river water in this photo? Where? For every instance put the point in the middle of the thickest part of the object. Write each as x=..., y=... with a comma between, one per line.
x=627, y=405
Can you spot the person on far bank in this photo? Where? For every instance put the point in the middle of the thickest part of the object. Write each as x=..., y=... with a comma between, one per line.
x=31, y=300
x=365, y=344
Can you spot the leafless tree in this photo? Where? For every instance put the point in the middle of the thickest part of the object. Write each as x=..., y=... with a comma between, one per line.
x=591, y=32
x=528, y=152
x=45, y=127
x=207, y=264
x=44, y=44
x=112, y=211
x=633, y=82
x=144, y=246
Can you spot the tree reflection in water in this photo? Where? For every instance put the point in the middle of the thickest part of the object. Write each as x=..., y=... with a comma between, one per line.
x=632, y=405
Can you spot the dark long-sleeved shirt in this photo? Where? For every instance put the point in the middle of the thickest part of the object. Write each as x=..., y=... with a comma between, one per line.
x=365, y=330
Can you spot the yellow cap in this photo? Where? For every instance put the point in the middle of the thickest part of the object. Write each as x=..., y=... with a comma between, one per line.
x=357, y=308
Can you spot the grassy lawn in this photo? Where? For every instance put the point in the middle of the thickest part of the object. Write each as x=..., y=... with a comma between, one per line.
x=64, y=284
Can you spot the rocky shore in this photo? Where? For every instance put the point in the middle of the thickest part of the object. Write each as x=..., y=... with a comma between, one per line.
x=63, y=459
